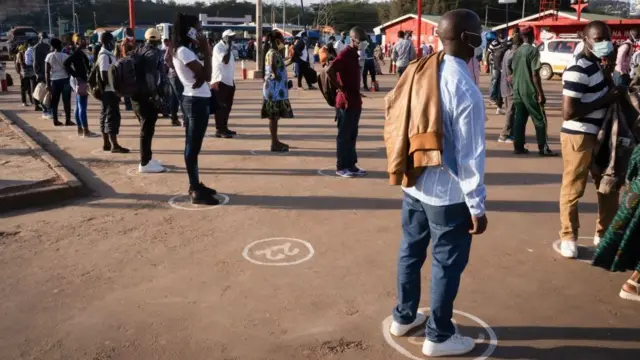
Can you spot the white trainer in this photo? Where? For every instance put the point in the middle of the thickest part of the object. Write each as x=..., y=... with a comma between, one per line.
x=596, y=240
x=159, y=162
x=152, y=167
x=569, y=249
x=631, y=296
x=400, y=330
x=455, y=345
x=499, y=111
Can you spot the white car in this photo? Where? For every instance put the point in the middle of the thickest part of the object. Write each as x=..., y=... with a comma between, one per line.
x=4, y=48
x=555, y=55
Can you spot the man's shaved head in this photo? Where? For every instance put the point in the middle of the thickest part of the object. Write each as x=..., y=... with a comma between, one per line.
x=460, y=31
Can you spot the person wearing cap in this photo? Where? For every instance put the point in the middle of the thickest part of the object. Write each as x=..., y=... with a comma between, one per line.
x=78, y=67
x=528, y=95
x=146, y=101
x=301, y=57
x=223, y=87
x=40, y=52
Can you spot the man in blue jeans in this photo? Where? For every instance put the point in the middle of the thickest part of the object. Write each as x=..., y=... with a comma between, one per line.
x=446, y=205
x=344, y=73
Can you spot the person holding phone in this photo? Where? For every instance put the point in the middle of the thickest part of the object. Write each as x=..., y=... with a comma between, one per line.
x=194, y=76
x=223, y=87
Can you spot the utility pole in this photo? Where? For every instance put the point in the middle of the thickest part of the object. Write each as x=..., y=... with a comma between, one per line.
x=95, y=22
x=49, y=11
x=259, y=48
x=73, y=15
x=418, y=28
x=284, y=15
x=524, y=3
x=486, y=15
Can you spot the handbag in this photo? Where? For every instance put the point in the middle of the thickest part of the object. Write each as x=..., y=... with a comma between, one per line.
x=40, y=92
x=82, y=88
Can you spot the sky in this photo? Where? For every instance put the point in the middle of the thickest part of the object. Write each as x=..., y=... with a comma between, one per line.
x=270, y=1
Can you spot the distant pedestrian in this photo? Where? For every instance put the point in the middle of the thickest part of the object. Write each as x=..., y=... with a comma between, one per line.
x=344, y=74
x=78, y=67
x=497, y=49
x=369, y=66
x=506, y=90
x=128, y=44
x=622, y=76
x=223, y=85
x=342, y=43
x=25, y=73
x=528, y=95
x=275, y=91
x=40, y=52
x=403, y=52
x=175, y=85
x=57, y=80
x=301, y=57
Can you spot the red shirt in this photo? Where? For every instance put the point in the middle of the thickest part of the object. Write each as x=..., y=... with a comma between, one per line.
x=348, y=72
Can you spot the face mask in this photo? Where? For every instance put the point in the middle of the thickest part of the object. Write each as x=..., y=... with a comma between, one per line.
x=601, y=49
x=45, y=41
x=363, y=45
x=192, y=34
x=110, y=46
x=477, y=44
x=280, y=46
x=129, y=37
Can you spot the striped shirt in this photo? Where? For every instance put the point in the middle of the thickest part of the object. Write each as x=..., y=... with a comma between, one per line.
x=583, y=79
x=461, y=178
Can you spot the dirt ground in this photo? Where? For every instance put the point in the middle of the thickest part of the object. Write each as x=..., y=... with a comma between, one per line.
x=124, y=275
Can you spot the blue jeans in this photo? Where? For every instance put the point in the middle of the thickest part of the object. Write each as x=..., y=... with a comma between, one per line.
x=81, y=111
x=348, y=120
x=197, y=114
x=494, y=88
x=447, y=227
x=176, y=97
x=127, y=104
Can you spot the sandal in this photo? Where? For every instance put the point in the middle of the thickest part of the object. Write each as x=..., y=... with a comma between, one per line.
x=280, y=147
x=631, y=296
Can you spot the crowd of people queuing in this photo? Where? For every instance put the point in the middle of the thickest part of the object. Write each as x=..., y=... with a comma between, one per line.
x=435, y=147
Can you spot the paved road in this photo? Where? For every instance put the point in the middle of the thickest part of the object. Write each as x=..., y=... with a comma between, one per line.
x=124, y=275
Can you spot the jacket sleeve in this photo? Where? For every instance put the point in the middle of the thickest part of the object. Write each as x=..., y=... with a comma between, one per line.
x=396, y=128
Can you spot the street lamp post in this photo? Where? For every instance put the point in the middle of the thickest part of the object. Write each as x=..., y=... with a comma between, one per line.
x=418, y=28
x=49, y=11
x=132, y=15
x=259, y=48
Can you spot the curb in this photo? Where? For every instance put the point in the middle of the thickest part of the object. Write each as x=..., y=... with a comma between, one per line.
x=71, y=187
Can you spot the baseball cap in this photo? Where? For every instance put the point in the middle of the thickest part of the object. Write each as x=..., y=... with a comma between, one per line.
x=228, y=33
x=152, y=34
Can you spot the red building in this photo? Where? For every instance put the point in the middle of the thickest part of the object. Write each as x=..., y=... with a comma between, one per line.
x=409, y=22
x=550, y=24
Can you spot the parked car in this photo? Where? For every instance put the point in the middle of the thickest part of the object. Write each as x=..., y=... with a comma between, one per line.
x=555, y=55
x=4, y=48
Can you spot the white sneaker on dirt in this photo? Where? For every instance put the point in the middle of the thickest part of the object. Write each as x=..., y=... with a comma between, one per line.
x=499, y=111
x=397, y=329
x=455, y=345
x=631, y=296
x=151, y=168
x=159, y=162
x=596, y=240
x=569, y=249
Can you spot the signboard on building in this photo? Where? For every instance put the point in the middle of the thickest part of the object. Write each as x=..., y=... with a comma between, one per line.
x=507, y=1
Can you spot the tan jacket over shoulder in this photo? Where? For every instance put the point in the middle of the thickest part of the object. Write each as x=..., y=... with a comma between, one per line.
x=413, y=122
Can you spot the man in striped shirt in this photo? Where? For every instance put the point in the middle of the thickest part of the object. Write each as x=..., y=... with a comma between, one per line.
x=586, y=96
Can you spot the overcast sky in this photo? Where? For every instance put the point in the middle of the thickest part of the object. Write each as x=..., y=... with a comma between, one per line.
x=297, y=2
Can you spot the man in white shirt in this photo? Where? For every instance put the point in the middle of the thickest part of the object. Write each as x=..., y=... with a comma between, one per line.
x=341, y=44
x=447, y=205
x=223, y=87
x=110, y=111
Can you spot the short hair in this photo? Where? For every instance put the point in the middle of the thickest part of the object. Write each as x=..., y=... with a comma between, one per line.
x=181, y=26
x=596, y=24
x=56, y=44
x=332, y=38
x=272, y=38
x=106, y=37
x=400, y=34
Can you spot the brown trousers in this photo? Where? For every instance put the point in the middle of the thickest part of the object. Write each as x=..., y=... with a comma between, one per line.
x=577, y=152
x=223, y=94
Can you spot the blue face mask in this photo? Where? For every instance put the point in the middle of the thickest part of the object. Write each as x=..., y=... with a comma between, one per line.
x=602, y=49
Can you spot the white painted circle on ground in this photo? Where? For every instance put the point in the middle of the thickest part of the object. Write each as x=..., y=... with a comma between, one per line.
x=134, y=172
x=328, y=172
x=267, y=151
x=581, y=249
x=182, y=202
x=481, y=338
x=275, y=251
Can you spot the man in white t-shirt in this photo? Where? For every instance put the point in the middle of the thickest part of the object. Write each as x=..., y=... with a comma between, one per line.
x=341, y=44
x=110, y=110
x=223, y=87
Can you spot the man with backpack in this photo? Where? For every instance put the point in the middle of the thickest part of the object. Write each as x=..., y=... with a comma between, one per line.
x=110, y=111
x=145, y=96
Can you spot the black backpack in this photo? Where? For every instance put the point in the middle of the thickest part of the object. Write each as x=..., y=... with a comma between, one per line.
x=329, y=92
x=498, y=55
x=137, y=74
x=95, y=86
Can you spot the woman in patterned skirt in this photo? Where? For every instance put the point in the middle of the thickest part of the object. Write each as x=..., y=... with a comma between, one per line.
x=619, y=249
x=276, y=91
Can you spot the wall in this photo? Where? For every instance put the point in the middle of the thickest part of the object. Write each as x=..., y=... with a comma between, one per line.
x=427, y=31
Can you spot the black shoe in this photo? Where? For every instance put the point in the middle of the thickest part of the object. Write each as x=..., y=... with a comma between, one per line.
x=201, y=196
x=38, y=108
x=223, y=135
x=546, y=152
x=311, y=87
x=209, y=190
x=57, y=123
x=523, y=151
x=231, y=132
x=106, y=147
x=120, y=150
x=69, y=123
x=175, y=122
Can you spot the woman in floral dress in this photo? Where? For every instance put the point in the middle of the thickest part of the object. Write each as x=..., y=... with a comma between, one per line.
x=619, y=249
x=276, y=91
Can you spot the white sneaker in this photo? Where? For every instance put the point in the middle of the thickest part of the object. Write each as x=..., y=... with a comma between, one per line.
x=455, y=345
x=596, y=240
x=400, y=330
x=159, y=162
x=569, y=249
x=499, y=111
x=151, y=168
x=47, y=116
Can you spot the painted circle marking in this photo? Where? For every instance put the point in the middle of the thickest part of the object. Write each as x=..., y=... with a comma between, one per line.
x=323, y=172
x=556, y=247
x=267, y=151
x=481, y=339
x=101, y=152
x=175, y=203
x=281, y=249
x=134, y=172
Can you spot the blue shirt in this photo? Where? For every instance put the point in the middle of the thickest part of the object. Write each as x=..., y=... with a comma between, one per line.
x=461, y=178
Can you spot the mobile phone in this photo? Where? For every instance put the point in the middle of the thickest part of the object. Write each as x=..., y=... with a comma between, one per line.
x=192, y=34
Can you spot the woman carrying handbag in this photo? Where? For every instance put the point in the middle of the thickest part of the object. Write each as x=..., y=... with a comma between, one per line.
x=78, y=66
